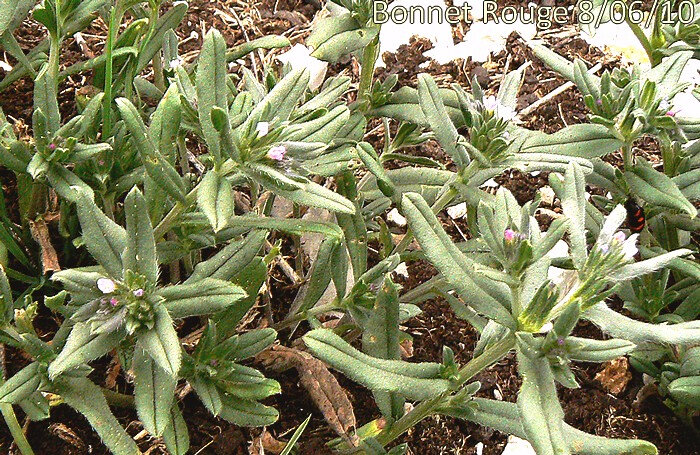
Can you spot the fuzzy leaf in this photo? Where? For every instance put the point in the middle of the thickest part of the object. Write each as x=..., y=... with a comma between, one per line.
x=104, y=239
x=162, y=342
x=215, y=199
x=199, y=298
x=83, y=346
x=211, y=86
x=417, y=381
x=153, y=393
x=87, y=398
x=140, y=252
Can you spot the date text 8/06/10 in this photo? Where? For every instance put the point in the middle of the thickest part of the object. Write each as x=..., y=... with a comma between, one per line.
x=589, y=12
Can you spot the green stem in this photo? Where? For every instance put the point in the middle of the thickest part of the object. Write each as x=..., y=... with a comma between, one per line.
x=118, y=399
x=109, y=49
x=172, y=216
x=369, y=58
x=8, y=413
x=491, y=355
x=643, y=40
x=627, y=157
x=15, y=429
x=437, y=206
x=306, y=314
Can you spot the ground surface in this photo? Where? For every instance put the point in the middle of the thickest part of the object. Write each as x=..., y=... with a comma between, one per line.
x=590, y=408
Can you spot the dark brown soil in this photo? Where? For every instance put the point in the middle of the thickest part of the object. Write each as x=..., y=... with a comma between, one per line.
x=589, y=408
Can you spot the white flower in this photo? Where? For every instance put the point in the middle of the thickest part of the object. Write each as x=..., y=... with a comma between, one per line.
x=619, y=40
x=457, y=211
x=174, y=63
x=395, y=217
x=393, y=35
x=401, y=270
x=629, y=247
x=299, y=56
x=517, y=446
x=482, y=40
x=106, y=285
x=611, y=224
x=685, y=104
x=262, y=128
x=505, y=113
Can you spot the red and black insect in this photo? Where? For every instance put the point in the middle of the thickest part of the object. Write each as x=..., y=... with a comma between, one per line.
x=635, y=216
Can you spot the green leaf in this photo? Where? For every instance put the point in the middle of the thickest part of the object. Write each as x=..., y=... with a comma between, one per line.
x=104, y=239
x=12, y=11
x=582, y=140
x=208, y=393
x=588, y=350
x=278, y=105
x=435, y=113
x=235, y=256
x=45, y=98
x=82, y=346
x=215, y=199
x=162, y=342
x=140, y=252
x=317, y=279
x=265, y=42
x=668, y=72
x=506, y=418
x=157, y=166
x=176, y=436
x=415, y=381
x=23, y=384
x=247, y=413
x=322, y=129
x=657, y=188
x=452, y=264
x=540, y=411
x=252, y=343
x=154, y=391
x=211, y=86
x=510, y=86
x=168, y=21
x=299, y=190
x=165, y=123
x=619, y=326
x=573, y=203
x=87, y=398
x=344, y=43
x=202, y=297
x=295, y=437
x=686, y=391
x=381, y=338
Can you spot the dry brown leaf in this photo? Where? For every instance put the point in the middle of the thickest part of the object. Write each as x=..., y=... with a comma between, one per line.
x=615, y=376
x=67, y=435
x=40, y=234
x=406, y=348
x=267, y=444
x=325, y=391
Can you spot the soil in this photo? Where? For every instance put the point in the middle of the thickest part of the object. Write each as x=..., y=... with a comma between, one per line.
x=589, y=408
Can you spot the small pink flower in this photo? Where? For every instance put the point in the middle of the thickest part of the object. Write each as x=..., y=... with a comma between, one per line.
x=52, y=146
x=106, y=285
x=277, y=153
x=509, y=235
x=619, y=236
x=138, y=293
x=113, y=301
x=560, y=341
x=599, y=102
x=101, y=162
x=671, y=113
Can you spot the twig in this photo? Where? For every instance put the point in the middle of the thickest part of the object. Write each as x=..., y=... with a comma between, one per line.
x=557, y=91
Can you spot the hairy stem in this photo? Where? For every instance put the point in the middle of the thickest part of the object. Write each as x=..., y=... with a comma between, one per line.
x=491, y=355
